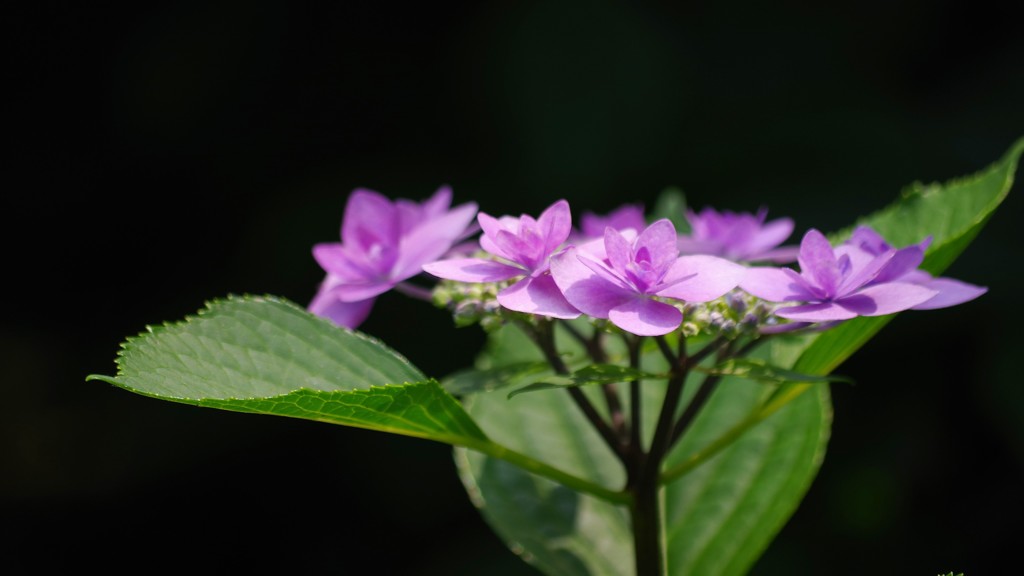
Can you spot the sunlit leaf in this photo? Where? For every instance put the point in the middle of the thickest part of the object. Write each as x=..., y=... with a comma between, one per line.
x=266, y=355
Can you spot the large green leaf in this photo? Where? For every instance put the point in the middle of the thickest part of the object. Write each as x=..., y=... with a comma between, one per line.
x=266, y=355
x=746, y=462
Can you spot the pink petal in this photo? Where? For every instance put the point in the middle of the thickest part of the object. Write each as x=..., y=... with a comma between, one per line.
x=332, y=257
x=780, y=255
x=555, y=224
x=821, y=312
x=437, y=204
x=354, y=292
x=770, y=235
x=713, y=277
x=603, y=271
x=689, y=245
x=775, y=285
x=537, y=295
x=430, y=240
x=365, y=210
x=347, y=314
x=472, y=270
x=660, y=240
x=584, y=289
x=617, y=248
x=646, y=317
x=491, y=226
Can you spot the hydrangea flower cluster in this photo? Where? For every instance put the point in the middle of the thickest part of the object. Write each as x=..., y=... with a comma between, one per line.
x=643, y=278
x=383, y=244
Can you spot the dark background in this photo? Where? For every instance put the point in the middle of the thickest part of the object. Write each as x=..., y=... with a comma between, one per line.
x=168, y=153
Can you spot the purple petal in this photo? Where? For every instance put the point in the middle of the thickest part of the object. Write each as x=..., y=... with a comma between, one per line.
x=369, y=213
x=585, y=289
x=820, y=312
x=335, y=259
x=903, y=261
x=660, y=240
x=437, y=204
x=690, y=245
x=347, y=314
x=537, y=295
x=867, y=239
x=555, y=224
x=888, y=298
x=491, y=226
x=770, y=235
x=625, y=217
x=712, y=277
x=818, y=262
x=951, y=293
x=776, y=285
x=862, y=272
x=472, y=270
x=784, y=327
x=618, y=249
x=354, y=292
x=430, y=240
x=646, y=317
x=605, y=272
x=780, y=255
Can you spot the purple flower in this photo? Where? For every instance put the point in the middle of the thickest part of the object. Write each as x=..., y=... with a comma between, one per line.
x=867, y=243
x=622, y=277
x=523, y=247
x=839, y=284
x=625, y=217
x=382, y=244
x=740, y=237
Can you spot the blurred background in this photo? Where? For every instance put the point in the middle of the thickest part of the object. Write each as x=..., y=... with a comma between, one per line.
x=164, y=154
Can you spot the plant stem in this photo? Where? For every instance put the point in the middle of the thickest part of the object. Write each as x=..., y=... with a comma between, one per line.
x=644, y=468
x=645, y=515
x=595, y=349
x=544, y=337
x=414, y=291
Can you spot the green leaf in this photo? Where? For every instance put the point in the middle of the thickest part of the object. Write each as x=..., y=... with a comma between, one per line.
x=746, y=462
x=266, y=355
x=588, y=375
x=583, y=535
x=756, y=369
x=953, y=214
